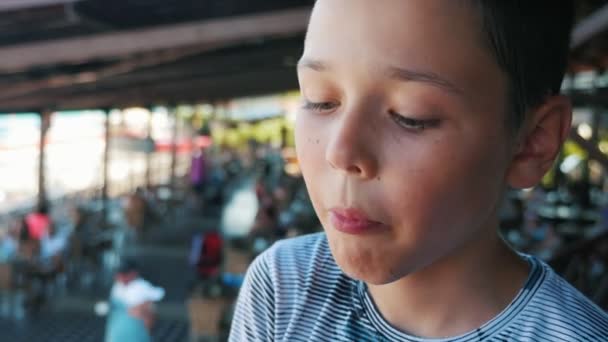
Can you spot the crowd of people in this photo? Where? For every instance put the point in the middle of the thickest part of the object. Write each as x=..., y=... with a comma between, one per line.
x=42, y=254
x=34, y=249
x=283, y=208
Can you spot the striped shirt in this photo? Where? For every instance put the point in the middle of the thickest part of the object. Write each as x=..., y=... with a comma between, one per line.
x=295, y=292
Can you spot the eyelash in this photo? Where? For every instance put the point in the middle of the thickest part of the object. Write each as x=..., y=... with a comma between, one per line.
x=319, y=106
x=414, y=125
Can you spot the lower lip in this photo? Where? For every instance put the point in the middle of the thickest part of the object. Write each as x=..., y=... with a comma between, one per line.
x=354, y=227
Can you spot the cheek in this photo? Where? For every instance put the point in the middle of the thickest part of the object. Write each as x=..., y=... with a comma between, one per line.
x=310, y=150
x=307, y=138
x=457, y=187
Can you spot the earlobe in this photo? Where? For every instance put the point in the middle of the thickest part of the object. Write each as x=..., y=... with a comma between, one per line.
x=524, y=173
x=545, y=131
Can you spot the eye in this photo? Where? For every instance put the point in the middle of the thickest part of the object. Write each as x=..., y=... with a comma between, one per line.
x=411, y=124
x=319, y=106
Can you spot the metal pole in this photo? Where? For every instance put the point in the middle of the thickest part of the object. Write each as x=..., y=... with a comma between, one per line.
x=106, y=167
x=148, y=152
x=45, y=123
x=174, y=148
x=173, y=163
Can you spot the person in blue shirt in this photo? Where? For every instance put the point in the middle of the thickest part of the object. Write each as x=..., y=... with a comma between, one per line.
x=416, y=116
x=131, y=315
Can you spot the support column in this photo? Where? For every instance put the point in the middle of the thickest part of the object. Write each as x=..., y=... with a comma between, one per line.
x=149, y=153
x=45, y=124
x=174, y=147
x=595, y=139
x=106, y=167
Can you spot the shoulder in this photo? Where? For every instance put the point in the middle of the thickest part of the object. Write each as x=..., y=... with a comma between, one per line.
x=564, y=311
x=270, y=286
x=292, y=279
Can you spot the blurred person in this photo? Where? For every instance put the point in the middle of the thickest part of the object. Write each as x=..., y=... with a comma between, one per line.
x=52, y=249
x=84, y=248
x=262, y=233
x=29, y=247
x=26, y=268
x=233, y=165
x=206, y=256
x=262, y=189
x=38, y=222
x=80, y=232
x=214, y=193
x=266, y=218
x=132, y=314
x=416, y=117
x=277, y=164
x=44, y=266
x=9, y=242
x=198, y=171
x=135, y=210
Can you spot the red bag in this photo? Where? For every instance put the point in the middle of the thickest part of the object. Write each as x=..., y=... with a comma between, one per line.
x=210, y=259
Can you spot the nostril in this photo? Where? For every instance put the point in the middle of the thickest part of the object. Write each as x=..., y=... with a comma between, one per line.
x=354, y=169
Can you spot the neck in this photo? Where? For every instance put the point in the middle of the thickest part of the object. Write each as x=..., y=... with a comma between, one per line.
x=457, y=293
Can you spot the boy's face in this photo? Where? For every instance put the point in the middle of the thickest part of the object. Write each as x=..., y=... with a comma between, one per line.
x=403, y=120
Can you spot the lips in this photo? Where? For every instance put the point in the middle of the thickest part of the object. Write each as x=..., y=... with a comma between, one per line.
x=353, y=221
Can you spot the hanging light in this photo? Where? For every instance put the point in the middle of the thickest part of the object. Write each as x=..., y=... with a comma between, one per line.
x=585, y=131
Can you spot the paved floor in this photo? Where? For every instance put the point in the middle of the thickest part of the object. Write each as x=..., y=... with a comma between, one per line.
x=77, y=327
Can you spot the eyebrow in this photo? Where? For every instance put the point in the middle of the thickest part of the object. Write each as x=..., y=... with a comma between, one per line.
x=395, y=73
x=427, y=77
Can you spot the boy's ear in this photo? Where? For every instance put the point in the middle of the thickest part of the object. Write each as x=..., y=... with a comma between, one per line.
x=539, y=141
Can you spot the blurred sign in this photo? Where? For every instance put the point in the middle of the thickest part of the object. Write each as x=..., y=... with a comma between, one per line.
x=132, y=144
x=255, y=108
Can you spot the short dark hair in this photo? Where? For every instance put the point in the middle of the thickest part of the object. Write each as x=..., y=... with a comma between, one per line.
x=127, y=265
x=530, y=40
x=42, y=208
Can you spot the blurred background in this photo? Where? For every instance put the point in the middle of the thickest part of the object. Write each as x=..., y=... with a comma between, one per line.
x=162, y=132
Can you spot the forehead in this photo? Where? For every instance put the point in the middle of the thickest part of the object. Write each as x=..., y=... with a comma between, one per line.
x=393, y=22
x=441, y=36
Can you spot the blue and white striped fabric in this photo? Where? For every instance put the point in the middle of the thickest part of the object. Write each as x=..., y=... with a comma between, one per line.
x=296, y=292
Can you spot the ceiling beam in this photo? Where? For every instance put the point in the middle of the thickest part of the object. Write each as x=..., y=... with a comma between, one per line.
x=13, y=5
x=589, y=27
x=210, y=32
x=161, y=67
x=119, y=68
x=252, y=82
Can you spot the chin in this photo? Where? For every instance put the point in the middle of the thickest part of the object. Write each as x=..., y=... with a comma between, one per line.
x=372, y=278
x=369, y=275
x=369, y=264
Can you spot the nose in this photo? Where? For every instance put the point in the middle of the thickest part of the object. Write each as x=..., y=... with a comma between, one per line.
x=350, y=147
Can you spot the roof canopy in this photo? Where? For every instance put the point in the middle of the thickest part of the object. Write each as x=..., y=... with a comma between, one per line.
x=74, y=54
